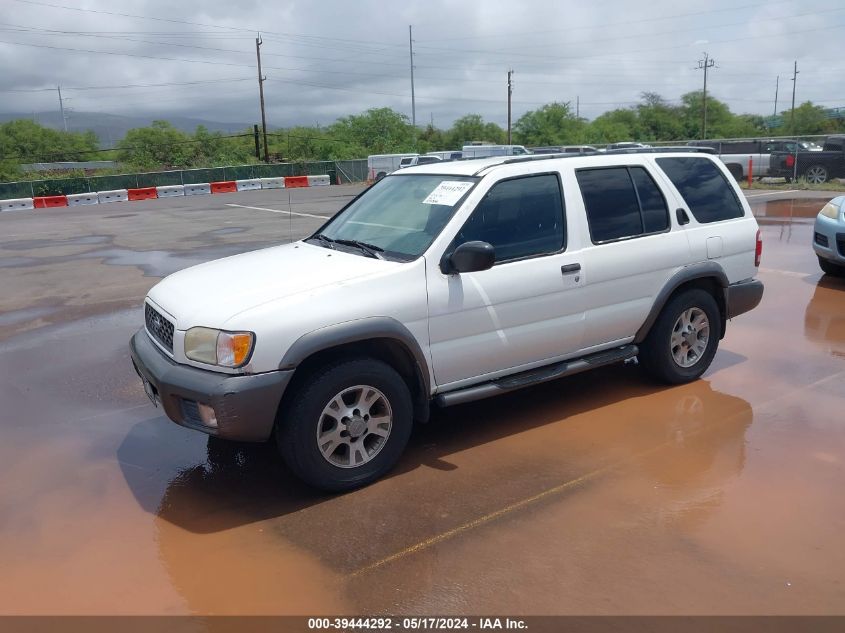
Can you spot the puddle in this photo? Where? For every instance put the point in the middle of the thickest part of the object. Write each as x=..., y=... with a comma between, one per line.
x=21, y=316
x=789, y=210
x=25, y=245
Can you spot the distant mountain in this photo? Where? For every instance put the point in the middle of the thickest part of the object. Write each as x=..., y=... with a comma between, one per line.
x=110, y=128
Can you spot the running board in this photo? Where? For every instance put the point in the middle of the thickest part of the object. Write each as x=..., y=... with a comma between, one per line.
x=536, y=376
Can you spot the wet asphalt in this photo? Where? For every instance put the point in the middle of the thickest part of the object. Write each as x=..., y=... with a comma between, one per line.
x=601, y=493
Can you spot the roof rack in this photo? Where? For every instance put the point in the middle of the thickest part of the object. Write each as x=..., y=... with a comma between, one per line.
x=612, y=152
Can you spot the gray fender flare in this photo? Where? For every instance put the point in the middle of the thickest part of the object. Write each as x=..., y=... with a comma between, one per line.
x=702, y=270
x=380, y=327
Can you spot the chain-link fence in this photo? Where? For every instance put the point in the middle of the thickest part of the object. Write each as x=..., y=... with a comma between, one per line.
x=344, y=171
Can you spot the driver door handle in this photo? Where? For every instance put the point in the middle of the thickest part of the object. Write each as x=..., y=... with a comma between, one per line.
x=570, y=268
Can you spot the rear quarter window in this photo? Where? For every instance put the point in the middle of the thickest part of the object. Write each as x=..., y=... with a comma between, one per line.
x=708, y=194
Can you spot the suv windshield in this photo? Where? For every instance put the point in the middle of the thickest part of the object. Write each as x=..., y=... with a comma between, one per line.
x=399, y=215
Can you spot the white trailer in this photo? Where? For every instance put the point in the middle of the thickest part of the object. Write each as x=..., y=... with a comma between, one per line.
x=379, y=165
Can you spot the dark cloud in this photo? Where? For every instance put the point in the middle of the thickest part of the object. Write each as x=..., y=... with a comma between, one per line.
x=328, y=59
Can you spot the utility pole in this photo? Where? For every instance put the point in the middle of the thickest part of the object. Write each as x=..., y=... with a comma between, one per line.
x=261, y=80
x=413, y=100
x=577, y=107
x=510, y=92
x=62, y=107
x=705, y=63
x=794, y=83
x=777, y=85
x=257, y=143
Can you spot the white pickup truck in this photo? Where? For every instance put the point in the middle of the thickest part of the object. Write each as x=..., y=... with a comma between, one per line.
x=449, y=282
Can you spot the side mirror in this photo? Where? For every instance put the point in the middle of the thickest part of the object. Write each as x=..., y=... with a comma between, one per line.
x=469, y=257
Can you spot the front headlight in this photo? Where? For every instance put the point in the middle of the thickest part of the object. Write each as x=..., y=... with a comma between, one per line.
x=830, y=210
x=217, y=347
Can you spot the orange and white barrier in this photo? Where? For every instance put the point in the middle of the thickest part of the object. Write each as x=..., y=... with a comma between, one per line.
x=169, y=191
x=16, y=204
x=81, y=199
x=198, y=189
x=116, y=195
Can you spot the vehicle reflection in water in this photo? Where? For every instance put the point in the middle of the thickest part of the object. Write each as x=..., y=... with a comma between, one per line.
x=786, y=213
x=824, y=317
x=238, y=514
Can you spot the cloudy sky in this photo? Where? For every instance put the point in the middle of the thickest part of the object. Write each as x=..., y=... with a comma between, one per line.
x=328, y=58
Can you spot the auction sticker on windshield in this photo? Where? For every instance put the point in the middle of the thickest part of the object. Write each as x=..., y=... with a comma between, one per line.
x=448, y=192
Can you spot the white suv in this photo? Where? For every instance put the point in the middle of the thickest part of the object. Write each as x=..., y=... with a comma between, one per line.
x=447, y=283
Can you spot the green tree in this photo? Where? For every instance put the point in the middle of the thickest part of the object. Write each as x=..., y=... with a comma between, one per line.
x=553, y=124
x=376, y=131
x=657, y=120
x=24, y=141
x=471, y=127
x=156, y=146
x=808, y=119
x=616, y=125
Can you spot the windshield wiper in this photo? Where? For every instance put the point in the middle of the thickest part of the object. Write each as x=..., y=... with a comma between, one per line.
x=370, y=249
x=324, y=240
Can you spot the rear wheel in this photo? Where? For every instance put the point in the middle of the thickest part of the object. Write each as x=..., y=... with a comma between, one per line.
x=816, y=174
x=830, y=268
x=380, y=175
x=347, y=425
x=683, y=341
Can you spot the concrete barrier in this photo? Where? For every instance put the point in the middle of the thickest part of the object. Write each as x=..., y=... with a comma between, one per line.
x=168, y=191
x=248, y=185
x=16, y=204
x=198, y=189
x=319, y=181
x=116, y=195
x=272, y=183
x=292, y=182
x=49, y=202
x=142, y=193
x=80, y=199
x=224, y=186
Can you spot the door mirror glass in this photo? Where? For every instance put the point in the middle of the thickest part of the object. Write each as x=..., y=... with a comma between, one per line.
x=469, y=257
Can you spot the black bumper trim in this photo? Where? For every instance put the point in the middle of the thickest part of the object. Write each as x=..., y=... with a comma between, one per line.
x=742, y=297
x=245, y=405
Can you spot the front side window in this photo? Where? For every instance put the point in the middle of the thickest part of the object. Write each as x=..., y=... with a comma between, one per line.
x=400, y=214
x=703, y=187
x=622, y=202
x=521, y=217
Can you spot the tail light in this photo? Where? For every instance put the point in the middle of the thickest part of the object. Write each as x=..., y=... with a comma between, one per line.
x=790, y=160
x=758, y=250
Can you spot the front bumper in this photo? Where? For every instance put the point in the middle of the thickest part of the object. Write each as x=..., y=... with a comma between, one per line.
x=831, y=233
x=742, y=297
x=245, y=405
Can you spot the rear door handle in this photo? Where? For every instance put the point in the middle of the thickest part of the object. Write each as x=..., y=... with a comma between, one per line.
x=570, y=268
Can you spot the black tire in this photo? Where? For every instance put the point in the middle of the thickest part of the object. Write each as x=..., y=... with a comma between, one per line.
x=816, y=174
x=736, y=172
x=830, y=268
x=380, y=175
x=297, y=426
x=656, y=351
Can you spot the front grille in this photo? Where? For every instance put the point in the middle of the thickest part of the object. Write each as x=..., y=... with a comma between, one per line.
x=821, y=240
x=840, y=243
x=159, y=327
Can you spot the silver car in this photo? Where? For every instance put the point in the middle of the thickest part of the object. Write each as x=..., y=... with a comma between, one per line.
x=829, y=237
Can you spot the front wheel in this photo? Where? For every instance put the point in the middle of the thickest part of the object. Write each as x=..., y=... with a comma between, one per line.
x=346, y=425
x=830, y=268
x=683, y=341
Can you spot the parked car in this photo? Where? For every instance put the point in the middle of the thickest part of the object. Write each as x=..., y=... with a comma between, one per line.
x=829, y=237
x=735, y=154
x=380, y=165
x=482, y=151
x=411, y=161
x=626, y=145
x=447, y=155
x=814, y=166
x=446, y=283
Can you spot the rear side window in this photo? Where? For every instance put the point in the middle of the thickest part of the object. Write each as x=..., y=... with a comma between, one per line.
x=521, y=217
x=703, y=187
x=622, y=202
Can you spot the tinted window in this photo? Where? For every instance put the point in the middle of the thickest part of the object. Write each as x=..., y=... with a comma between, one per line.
x=652, y=203
x=611, y=202
x=422, y=160
x=706, y=191
x=519, y=217
x=741, y=147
